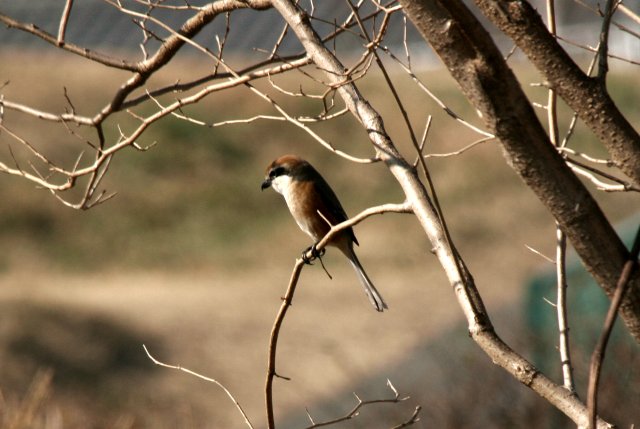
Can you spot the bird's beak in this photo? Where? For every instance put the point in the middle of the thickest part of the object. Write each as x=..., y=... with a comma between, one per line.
x=265, y=184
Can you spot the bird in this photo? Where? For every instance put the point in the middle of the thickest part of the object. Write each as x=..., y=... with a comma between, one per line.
x=316, y=208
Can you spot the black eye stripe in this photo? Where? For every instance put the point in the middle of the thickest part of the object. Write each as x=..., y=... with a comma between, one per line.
x=277, y=171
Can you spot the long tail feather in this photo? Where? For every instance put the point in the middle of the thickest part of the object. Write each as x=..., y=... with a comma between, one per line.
x=371, y=291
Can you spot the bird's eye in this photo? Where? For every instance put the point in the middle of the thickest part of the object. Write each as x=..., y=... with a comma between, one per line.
x=275, y=172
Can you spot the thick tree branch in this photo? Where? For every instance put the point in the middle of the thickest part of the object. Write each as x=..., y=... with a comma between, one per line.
x=587, y=96
x=476, y=63
x=480, y=326
x=171, y=46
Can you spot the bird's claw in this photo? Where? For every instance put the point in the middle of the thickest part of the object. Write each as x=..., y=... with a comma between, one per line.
x=315, y=253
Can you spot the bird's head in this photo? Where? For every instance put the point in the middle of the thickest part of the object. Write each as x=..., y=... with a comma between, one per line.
x=283, y=170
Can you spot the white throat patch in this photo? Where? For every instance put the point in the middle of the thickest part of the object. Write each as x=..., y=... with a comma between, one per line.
x=281, y=184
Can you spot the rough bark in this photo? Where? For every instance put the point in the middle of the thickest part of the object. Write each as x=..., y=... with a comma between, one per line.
x=480, y=326
x=483, y=75
x=587, y=96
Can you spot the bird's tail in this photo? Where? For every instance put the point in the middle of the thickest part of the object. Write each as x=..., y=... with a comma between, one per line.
x=369, y=288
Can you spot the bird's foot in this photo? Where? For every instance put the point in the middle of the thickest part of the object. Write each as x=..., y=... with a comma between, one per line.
x=314, y=254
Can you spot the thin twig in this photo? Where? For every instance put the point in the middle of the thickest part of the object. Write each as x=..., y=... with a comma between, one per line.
x=355, y=411
x=62, y=28
x=590, y=173
x=552, y=99
x=432, y=95
x=222, y=43
x=291, y=288
x=142, y=70
x=413, y=419
x=634, y=16
x=371, y=211
x=567, y=150
x=561, y=239
x=542, y=255
x=372, y=46
x=308, y=130
x=460, y=151
x=273, y=340
x=574, y=118
x=597, y=358
x=423, y=141
x=205, y=378
x=70, y=47
x=157, y=4
x=596, y=50
x=603, y=65
x=276, y=45
x=561, y=311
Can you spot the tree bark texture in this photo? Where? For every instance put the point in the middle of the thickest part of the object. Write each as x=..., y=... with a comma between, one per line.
x=587, y=96
x=459, y=277
x=473, y=59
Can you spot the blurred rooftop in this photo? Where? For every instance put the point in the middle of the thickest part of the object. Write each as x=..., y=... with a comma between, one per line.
x=98, y=24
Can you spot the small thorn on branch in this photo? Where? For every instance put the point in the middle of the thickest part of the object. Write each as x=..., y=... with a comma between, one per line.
x=282, y=376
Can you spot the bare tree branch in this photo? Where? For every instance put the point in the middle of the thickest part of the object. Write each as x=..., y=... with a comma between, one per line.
x=355, y=411
x=592, y=175
x=472, y=59
x=596, y=50
x=62, y=28
x=490, y=85
x=273, y=342
x=460, y=151
x=597, y=358
x=460, y=279
x=293, y=282
x=202, y=377
x=586, y=96
x=75, y=49
x=561, y=310
x=603, y=51
x=561, y=239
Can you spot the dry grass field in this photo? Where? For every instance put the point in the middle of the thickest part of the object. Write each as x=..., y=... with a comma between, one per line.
x=191, y=259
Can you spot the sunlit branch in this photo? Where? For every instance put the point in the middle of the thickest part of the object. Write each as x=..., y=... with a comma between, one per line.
x=205, y=378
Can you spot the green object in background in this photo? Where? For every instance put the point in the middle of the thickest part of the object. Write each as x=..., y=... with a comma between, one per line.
x=587, y=306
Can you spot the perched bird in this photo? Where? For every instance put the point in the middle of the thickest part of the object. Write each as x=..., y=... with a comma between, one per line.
x=316, y=208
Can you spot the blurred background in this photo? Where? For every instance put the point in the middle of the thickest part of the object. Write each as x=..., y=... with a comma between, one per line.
x=191, y=259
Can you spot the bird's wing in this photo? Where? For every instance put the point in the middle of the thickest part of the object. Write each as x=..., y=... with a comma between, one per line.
x=332, y=209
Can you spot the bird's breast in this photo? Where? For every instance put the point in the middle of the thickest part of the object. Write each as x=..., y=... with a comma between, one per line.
x=304, y=206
